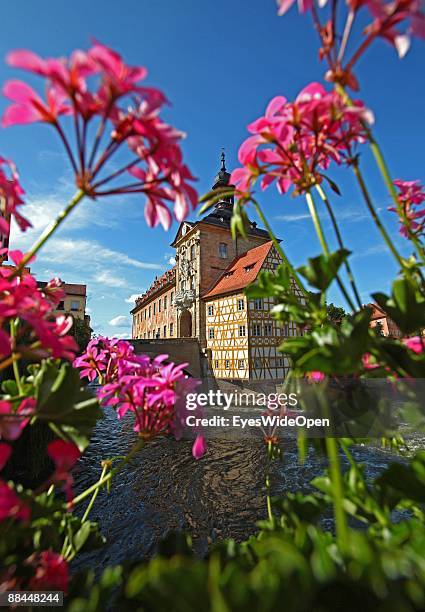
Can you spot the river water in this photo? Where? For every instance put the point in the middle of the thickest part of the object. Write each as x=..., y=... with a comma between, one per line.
x=164, y=489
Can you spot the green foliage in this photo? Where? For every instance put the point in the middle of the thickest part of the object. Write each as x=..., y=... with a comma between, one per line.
x=81, y=331
x=321, y=270
x=405, y=305
x=69, y=409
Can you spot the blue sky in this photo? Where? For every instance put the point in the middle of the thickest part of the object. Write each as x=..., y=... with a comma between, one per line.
x=219, y=63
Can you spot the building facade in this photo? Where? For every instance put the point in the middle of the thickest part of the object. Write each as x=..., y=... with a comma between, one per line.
x=74, y=302
x=204, y=296
x=386, y=325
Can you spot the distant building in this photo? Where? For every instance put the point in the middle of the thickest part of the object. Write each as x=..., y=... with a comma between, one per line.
x=386, y=325
x=203, y=296
x=75, y=300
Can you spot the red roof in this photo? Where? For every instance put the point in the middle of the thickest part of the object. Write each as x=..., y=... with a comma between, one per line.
x=242, y=271
x=377, y=312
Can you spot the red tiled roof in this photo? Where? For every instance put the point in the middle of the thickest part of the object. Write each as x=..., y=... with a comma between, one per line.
x=377, y=312
x=242, y=271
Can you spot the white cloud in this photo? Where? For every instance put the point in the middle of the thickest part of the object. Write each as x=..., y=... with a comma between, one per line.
x=122, y=336
x=172, y=261
x=119, y=321
x=106, y=277
x=132, y=298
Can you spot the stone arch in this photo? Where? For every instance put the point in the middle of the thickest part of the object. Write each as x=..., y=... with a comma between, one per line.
x=186, y=324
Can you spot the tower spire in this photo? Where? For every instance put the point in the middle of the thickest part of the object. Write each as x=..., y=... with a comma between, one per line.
x=223, y=160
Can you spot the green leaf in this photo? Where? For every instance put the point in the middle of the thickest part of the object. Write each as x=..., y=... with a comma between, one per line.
x=405, y=306
x=70, y=410
x=322, y=270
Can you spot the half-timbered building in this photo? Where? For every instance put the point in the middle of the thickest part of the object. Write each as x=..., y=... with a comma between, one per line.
x=204, y=296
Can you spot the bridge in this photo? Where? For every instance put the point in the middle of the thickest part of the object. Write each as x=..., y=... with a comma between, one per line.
x=179, y=350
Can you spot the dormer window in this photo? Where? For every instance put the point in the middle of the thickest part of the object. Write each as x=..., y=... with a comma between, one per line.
x=222, y=250
x=229, y=274
x=249, y=267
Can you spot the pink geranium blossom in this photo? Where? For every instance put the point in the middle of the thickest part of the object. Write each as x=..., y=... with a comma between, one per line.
x=50, y=572
x=411, y=197
x=152, y=390
x=125, y=111
x=64, y=455
x=21, y=298
x=199, y=447
x=415, y=344
x=5, y=452
x=13, y=422
x=294, y=143
x=11, y=194
x=11, y=506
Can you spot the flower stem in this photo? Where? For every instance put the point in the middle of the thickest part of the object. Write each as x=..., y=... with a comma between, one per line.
x=50, y=230
x=15, y=365
x=375, y=216
x=103, y=480
x=269, y=503
x=323, y=243
x=337, y=491
x=340, y=243
x=279, y=249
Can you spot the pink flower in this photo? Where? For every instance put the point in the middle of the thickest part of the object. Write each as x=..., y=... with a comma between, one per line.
x=11, y=506
x=153, y=391
x=199, y=447
x=125, y=111
x=13, y=422
x=294, y=143
x=51, y=572
x=415, y=344
x=28, y=107
x=5, y=452
x=285, y=5
x=316, y=376
x=11, y=193
x=412, y=218
x=64, y=455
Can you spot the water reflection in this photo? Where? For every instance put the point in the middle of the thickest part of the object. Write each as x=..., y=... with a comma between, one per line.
x=222, y=495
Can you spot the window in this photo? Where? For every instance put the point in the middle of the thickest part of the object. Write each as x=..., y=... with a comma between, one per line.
x=241, y=330
x=165, y=331
x=257, y=363
x=216, y=364
x=192, y=281
x=192, y=252
x=211, y=333
x=61, y=305
x=172, y=297
x=159, y=305
x=149, y=312
x=144, y=335
x=229, y=274
x=154, y=308
x=222, y=250
x=249, y=268
x=146, y=313
x=210, y=310
x=171, y=329
x=268, y=329
x=241, y=304
x=241, y=364
x=258, y=304
x=256, y=329
x=227, y=364
x=75, y=305
x=165, y=302
x=183, y=285
x=279, y=362
x=158, y=333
